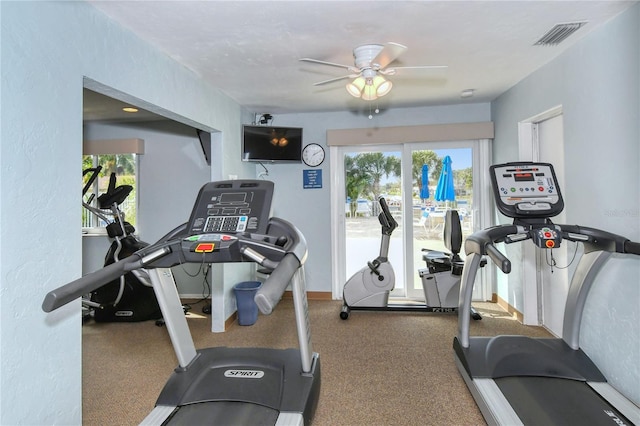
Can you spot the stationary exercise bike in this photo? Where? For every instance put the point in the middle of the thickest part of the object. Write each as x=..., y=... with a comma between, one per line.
x=128, y=298
x=369, y=288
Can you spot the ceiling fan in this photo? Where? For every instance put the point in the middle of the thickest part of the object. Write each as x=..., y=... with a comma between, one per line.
x=371, y=65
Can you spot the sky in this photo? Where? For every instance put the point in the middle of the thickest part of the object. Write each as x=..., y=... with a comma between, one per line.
x=460, y=158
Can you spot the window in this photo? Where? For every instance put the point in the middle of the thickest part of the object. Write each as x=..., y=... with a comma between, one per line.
x=126, y=170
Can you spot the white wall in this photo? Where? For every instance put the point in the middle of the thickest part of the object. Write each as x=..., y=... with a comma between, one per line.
x=597, y=82
x=309, y=208
x=47, y=50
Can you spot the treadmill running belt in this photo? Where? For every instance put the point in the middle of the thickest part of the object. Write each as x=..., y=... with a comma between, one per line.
x=553, y=401
x=223, y=413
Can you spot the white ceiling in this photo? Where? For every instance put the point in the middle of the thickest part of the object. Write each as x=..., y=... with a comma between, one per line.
x=251, y=49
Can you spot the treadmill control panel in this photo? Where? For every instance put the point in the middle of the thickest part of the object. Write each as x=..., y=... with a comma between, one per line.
x=546, y=238
x=232, y=207
x=207, y=243
x=226, y=224
x=526, y=189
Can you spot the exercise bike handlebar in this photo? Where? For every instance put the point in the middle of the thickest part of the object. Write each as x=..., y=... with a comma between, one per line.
x=386, y=219
x=95, y=171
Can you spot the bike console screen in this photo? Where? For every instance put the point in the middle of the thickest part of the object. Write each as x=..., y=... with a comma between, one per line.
x=526, y=190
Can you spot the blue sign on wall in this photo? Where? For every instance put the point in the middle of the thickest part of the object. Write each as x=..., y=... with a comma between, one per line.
x=312, y=178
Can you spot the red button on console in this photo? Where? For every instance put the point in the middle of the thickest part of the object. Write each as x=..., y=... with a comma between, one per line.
x=204, y=248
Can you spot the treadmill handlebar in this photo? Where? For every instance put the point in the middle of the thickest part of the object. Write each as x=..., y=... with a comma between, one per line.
x=631, y=247
x=268, y=296
x=294, y=248
x=498, y=258
x=482, y=243
x=90, y=282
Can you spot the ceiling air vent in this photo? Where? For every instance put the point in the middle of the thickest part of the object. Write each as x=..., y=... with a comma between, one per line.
x=559, y=33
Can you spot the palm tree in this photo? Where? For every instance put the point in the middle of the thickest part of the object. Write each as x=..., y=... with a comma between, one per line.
x=356, y=182
x=376, y=165
x=464, y=178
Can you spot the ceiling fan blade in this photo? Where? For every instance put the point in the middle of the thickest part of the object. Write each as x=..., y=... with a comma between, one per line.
x=333, y=64
x=331, y=80
x=392, y=71
x=388, y=54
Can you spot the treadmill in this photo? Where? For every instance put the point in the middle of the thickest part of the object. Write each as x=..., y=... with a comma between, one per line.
x=241, y=386
x=519, y=380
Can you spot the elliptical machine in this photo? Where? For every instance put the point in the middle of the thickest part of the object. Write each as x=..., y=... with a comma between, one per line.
x=128, y=298
x=369, y=288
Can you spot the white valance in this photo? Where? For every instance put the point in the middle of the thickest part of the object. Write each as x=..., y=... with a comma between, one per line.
x=407, y=134
x=113, y=146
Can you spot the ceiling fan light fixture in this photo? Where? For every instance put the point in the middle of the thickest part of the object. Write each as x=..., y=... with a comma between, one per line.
x=369, y=93
x=369, y=88
x=382, y=85
x=355, y=87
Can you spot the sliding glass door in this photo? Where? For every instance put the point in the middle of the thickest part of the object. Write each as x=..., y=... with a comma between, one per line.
x=432, y=170
x=368, y=175
x=407, y=176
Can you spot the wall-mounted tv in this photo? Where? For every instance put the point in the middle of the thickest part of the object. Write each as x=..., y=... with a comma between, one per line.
x=271, y=144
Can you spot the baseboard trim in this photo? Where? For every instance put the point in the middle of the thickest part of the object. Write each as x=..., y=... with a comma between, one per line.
x=232, y=318
x=311, y=295
x=510, y=309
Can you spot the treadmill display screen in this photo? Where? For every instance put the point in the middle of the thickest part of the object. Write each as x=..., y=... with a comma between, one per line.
x=526, y=189
x=234, y=206
x=523, y=177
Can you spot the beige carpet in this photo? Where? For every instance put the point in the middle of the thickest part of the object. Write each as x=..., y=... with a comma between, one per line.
x=378, y=368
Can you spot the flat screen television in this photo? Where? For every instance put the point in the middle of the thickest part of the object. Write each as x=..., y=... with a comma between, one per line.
x=271, y=144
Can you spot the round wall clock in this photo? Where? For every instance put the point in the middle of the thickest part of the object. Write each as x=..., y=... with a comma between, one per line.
x=313, y=155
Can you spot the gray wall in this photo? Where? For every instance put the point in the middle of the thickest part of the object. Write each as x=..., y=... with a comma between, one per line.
x=597, y=83
x=48, y=48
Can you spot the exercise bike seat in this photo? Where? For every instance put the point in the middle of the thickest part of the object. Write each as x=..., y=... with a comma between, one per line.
x=438, y=261
x=452, y=233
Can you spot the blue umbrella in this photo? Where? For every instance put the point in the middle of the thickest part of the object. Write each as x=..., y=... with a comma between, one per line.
x=444, y=190
x=424, y=190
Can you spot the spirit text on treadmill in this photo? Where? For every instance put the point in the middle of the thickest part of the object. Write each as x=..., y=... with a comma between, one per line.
x=244, y=374
x=614, y=417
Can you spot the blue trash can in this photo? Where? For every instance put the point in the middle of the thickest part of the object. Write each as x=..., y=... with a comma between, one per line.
x=247, y=308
